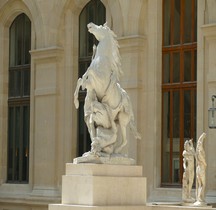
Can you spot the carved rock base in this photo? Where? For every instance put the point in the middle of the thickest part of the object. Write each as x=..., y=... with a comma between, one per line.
x=188, y=202
x=200, y=204
x=197, y=204
x=114, y=159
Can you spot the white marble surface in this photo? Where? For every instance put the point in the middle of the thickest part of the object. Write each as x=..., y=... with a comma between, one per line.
x=104, y=189
x=189, y=154
x=112, y=159
x=200, y=172
x=103, y=170
x=188, y=174
x=107, y=107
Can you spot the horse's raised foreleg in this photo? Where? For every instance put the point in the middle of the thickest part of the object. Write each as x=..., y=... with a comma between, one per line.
x=79, y=84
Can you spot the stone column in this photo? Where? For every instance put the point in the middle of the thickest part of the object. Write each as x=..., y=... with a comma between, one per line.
x=209, y=88
x=44, y=128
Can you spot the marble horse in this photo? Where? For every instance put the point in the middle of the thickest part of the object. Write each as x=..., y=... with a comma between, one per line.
x=101, y=80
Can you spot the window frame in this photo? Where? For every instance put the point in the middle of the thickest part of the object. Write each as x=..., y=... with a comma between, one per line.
x=181, y=86
x=19, y=157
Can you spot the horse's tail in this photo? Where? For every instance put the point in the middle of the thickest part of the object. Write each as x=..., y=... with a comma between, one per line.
x=134, y=129
x=129, y=110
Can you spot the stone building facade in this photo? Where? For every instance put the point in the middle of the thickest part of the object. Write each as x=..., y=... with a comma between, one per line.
x=53, y=126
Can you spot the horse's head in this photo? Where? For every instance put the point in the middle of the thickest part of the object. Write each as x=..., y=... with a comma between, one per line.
x=109, y=47
x=100, y=32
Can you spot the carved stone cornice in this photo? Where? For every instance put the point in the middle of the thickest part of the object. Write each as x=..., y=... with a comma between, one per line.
x=47, y=53
x=209, y=31
x=132, y=43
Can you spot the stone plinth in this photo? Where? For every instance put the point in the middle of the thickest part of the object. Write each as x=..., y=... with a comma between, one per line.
x=100, y=186
x=103, y=170
x=114, y=159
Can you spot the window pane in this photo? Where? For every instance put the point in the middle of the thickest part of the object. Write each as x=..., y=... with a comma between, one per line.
x=176, y=169
x=166, y=139
x=84, y=137
x=194, y=117
x=177, y=23
x=26, y=82
x=81, y=126
x=12, y=45
x=83, y=66
x=27, y=40
x=101, y=11
x=10, y=143
x=14, y=83
x=187, y=66
x=176, y=114
x=195, y=65
x=91, y=18
x=20, y=41
x=195, y=20
x=188, y=21
x=91, y=11
x=83, y=34
x=90, y=44
x=11, y=84
x=166, y=68
x=16, y=42
x=176, y=137
x=17, y=83
x=17, y=143
x=25, y=155
x=176, y=67
x=167, y=19
x=187, y=114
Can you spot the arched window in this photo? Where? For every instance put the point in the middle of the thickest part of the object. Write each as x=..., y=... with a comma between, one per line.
x=19, y=100
x=178, y=84
x=94, y=12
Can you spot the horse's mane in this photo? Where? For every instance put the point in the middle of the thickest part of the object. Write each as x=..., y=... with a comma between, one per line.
x=115, y=56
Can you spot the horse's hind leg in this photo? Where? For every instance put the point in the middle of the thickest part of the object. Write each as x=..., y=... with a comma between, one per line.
x=123, y=121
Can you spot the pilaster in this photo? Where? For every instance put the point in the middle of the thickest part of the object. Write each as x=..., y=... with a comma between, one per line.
x=209, y=77
x=46, y=66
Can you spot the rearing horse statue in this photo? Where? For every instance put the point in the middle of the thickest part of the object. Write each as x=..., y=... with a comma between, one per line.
x=107, y=105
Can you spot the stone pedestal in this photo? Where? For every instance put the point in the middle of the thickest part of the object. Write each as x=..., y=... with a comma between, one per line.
x=101, y=186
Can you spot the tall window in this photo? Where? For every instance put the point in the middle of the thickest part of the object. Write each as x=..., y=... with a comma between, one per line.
x=94, y=12
x=178, y=84
x=19, y=100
